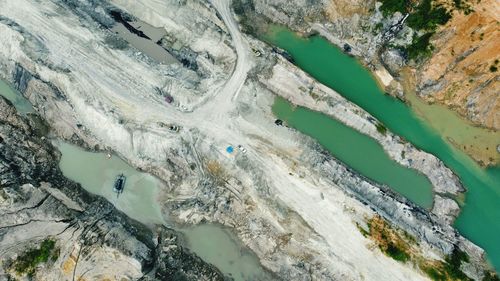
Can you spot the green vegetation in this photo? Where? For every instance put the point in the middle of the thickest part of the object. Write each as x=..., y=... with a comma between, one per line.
x=424, y=17
x=397, y=253
x=402, y=247
x=453, y=264
x=27, y=262
x=389, y=241
x=463, y=6
x=427, y=16
x=434, y=274
x=448, y=270
x=381, y=128
x=490, y=276
x=420, y=46
x=389, y=7
x=493, y=68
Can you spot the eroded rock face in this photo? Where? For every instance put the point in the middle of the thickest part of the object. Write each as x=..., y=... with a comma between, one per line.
x=102, y=95
x=92, y=239
x=462, y=71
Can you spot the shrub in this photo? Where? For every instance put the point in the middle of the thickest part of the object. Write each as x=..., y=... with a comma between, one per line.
x=424, y=16
x=389, y=7
x=381, y=128
x=434, y=274
x=448, y=270
x=453, y=264
x=27, y=262
x=490, y=276
x=420, y=46
x=397, y=253
x=428, y=17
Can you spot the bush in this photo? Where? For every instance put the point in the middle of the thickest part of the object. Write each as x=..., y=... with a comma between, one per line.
x=397, y=253
x=389, y=7
x=448, y=270
x=27, y=263
x=420, y=46
x=463, y=6
x=428, y=17
x=381, y=128
x=424, y=16
x=490, y=276
x=434, y=274
x=453, y=264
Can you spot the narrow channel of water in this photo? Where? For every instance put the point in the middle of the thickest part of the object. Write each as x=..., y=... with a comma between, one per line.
x=359, y=151
x=480, y=217
x=222, y=250
x=96, y=173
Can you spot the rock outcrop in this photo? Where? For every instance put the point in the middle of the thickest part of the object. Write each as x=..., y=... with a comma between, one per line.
x=459, y=68
x=89, y=238
x=300, y=219
x=468, y=42
x=463, y=69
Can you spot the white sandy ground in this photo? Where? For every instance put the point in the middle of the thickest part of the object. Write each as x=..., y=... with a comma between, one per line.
x=104, y=85
x=384, y=76
x=297, y=87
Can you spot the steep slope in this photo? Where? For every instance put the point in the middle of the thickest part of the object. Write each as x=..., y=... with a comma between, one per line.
x=451, y=49
x=463, y=69
x=270, y=189
x=51, y=229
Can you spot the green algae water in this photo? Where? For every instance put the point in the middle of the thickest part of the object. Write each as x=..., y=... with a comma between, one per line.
x=480, y=217
x=359, y=151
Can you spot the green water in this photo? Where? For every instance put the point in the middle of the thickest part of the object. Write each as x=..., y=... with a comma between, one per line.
x=480, y=217
x=359, y=151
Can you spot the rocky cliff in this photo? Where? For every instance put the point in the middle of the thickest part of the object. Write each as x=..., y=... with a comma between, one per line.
x=51, y=229
x=455, y=51
x=462, y=71
x=297, y=208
